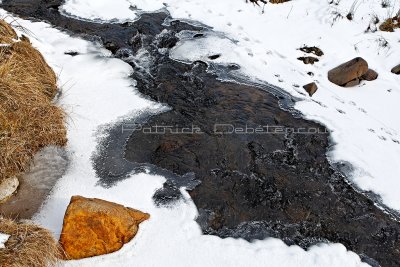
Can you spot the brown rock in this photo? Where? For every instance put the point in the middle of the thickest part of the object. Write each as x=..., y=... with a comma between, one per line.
x=348, y=71
x=352, y=83
x=370, y=75
x=311, y=88
x=396, y=69
x=95, y=227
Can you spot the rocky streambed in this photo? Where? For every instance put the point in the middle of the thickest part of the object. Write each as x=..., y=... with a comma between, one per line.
x=253, y=166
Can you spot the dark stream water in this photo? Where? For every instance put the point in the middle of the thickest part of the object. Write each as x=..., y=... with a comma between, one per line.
x=245, y=184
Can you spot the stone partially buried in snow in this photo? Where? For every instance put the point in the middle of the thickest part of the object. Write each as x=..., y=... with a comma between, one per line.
x=95, y=227
x=353, y=83
x=396, y=69
x=348, y=71
x=311, y=88
x=370, y=75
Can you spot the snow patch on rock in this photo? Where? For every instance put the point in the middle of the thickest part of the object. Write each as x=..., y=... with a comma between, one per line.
x=3, y=239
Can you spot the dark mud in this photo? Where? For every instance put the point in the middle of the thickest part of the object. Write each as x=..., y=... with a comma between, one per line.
x=247, y=185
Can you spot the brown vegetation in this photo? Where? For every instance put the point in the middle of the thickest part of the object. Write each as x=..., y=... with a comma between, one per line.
x=278, y=1
x=256, y=1
x=29, y=120
x=308, y=60
x=312, y=50
x=265, y=1
x=28, y=245
x=390, y=24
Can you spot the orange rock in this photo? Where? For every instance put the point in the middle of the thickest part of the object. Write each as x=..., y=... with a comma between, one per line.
x=95, y=227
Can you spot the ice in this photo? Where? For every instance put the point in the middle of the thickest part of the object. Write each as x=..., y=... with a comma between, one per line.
x=47, y=166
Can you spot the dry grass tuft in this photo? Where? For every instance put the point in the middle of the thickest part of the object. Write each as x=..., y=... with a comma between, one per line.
x=29, y=120
x=7, y=33
x=28, y=245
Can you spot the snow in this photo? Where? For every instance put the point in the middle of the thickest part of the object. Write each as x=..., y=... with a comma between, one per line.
x=3, y=239
x=98, y=92
x=363, y=120
x=119, y=10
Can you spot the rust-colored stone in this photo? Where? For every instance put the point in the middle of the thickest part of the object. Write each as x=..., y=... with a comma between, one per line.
x=95, y=227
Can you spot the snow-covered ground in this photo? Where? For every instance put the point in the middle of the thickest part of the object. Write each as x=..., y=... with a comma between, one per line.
x=118, y=10
x=97, y=92
x=3, y=240
x=363, y=120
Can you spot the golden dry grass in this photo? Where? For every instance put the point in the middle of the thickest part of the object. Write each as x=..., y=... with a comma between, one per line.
x=28, y=245
x=29, y=120
x=6, y=32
